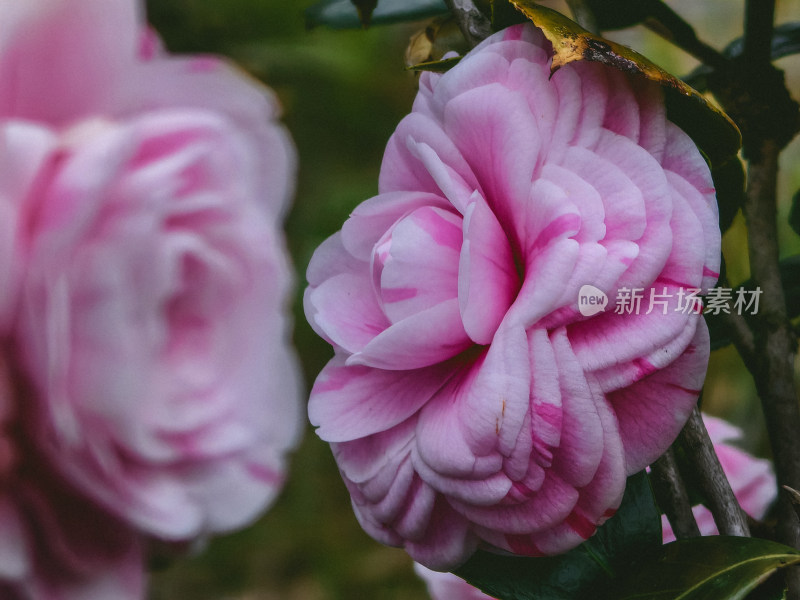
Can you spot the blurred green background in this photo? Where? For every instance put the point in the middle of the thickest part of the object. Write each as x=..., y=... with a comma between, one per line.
x=343, y=93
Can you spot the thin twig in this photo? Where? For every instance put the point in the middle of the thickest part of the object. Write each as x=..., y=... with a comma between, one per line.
x=473, y=24
x=741, y=335
x=794, y=498
x=672, y=496
x=668, y=24
x=728, y=515
x=736, y=324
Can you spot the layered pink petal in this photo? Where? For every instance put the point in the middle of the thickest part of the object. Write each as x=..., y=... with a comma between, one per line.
x=503, y=156
x=24, y=152
x=659, y=404
x=416, y=265
x=352, y=402
x=446, y=586
x=487, y=280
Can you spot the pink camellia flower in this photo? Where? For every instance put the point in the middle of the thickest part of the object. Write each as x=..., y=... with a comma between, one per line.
x=150, y=274
x=469, y=402
x=752, y=479
x=446, y=586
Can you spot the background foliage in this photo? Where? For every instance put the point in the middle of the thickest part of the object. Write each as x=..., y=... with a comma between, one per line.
x=343, y=92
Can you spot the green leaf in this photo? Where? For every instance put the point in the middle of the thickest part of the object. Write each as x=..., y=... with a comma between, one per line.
x=729, y=181
x=618, y=14
x=342, y=14
x=710, y=128
x=772, y=589
x=427, y=48
x=365, y=9
x=504, y=14
x=790, y=275
x=636, y=528
x=785, y=42
x=794, y=213
x=704, y=568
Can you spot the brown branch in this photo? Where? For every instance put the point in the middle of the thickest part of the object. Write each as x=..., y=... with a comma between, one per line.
x=758, y=24
x=728, y=515
x=668, y=24
x=741, y=335
x=755, y=95
x=473, y=23
x=773, y=362
x=737, y=326
x=672, y=496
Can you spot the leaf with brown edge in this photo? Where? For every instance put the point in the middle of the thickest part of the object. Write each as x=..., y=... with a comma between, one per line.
x=729, y=181
x=710, y=128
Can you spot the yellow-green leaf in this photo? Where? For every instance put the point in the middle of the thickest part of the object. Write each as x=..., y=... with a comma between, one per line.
x=437, y=38
x=437, y=66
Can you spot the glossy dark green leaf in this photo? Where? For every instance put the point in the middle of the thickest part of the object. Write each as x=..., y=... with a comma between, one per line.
x=342, y=14
x=618, y=14
x=578, y=574
x=773, y=589
x=794, y=213
x=365, y=9
x=710, y=128
x=505, y=14
x=785, y=42
x=729, y=181
x=705, y=568
x=790, y=275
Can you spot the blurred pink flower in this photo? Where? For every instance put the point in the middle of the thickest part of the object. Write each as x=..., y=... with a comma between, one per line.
x=144, y=276
x=752, y=479
x=446, y=586
x=54, y=543
x=469, y=403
